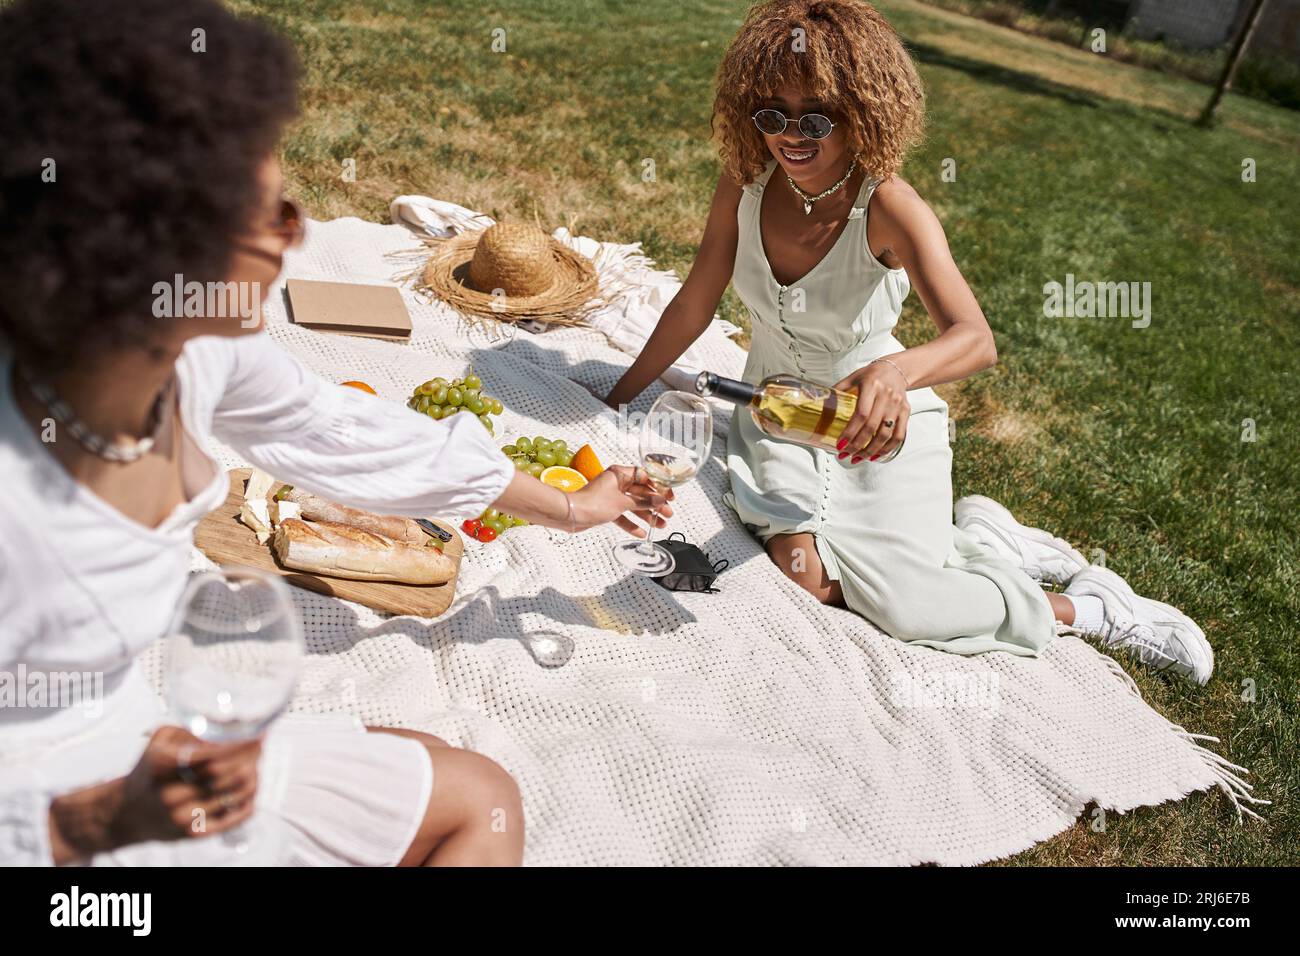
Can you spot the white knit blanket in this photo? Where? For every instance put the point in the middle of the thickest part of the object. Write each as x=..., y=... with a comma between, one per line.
x=751, y=726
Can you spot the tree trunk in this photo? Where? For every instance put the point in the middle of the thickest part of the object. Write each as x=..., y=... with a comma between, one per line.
x=1087, y=18
x=1234, y=60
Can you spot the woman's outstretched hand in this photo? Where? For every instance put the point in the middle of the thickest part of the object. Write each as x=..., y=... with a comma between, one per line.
x=617, y=490
x=879, y=424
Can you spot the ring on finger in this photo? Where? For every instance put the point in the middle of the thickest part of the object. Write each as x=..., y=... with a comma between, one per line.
x=184, y=760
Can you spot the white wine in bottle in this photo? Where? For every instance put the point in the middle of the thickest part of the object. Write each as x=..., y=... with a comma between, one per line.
x=790, y=408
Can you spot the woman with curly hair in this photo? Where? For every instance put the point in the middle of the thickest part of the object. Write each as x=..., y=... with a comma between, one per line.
x=131, y=156
x=817, y=104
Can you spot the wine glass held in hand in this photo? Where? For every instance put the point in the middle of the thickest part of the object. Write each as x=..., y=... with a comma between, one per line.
x=675, y=440
x=233, y=656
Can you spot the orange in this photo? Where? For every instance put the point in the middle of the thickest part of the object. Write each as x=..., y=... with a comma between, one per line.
x=586, y=463
x=362, y=386
x=566, y=479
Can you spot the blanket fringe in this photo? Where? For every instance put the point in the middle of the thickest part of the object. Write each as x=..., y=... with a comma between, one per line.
x=623, y=268
x=1237, y=789
x=1227, y=775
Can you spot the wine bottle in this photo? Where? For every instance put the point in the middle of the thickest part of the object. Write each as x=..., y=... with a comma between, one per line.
x=790, y=408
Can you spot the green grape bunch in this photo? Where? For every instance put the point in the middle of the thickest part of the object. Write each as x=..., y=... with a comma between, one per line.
x=535, y=455
x=439, y=398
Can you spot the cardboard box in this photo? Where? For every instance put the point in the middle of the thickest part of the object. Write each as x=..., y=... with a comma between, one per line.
x=373, y=311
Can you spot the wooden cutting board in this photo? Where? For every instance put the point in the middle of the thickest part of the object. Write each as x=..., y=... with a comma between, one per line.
x=226, y=540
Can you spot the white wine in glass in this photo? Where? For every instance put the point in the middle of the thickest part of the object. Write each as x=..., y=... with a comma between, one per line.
x=233, y=656
x=675, y=440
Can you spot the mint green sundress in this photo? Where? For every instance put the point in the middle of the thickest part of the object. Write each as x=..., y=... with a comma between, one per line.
x=884, y=531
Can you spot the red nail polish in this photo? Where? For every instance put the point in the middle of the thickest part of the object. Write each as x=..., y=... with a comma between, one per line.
x=843, y=455
x=842, y=443
x=875, y=456
x=856, y=459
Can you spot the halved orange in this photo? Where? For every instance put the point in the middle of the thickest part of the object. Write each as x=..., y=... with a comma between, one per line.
x=360, y=385
x=586, y=463
x=566, y=479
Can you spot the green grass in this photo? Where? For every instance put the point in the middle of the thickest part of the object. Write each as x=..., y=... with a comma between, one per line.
x=1265, y=76
x=1127, y=441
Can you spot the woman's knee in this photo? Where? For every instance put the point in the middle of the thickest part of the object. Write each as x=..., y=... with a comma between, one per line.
x=474, y=812
x=490, y=786
x=466, y=785
x=473, y=793
x=797, y=557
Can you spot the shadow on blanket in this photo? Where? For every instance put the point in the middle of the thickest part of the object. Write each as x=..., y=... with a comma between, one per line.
x=631, y=606
x=514, y=361
x=595, y=376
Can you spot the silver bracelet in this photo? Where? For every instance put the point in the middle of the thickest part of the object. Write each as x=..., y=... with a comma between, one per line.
x=568, y=501
x=895, y=367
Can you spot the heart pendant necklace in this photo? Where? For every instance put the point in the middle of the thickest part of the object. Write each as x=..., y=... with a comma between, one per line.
x=809, y=200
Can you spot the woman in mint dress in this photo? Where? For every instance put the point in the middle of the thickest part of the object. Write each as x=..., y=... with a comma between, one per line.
x=817, y=104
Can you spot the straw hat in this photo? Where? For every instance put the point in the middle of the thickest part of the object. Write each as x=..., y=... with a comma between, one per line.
x=512, y=271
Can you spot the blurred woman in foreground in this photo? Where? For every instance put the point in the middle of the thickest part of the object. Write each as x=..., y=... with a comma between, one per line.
x=130, y=157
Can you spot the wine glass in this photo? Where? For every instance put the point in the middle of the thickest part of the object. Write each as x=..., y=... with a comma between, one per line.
x=675, y=440
x=233, y=655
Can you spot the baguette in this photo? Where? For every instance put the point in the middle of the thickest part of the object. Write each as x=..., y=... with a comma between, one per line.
x=342, y=551
x=315, y=508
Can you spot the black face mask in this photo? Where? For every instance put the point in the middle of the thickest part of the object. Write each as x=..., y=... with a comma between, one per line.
x=694, y=570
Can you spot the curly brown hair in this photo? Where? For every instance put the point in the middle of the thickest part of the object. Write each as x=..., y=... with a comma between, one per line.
x=847, y=55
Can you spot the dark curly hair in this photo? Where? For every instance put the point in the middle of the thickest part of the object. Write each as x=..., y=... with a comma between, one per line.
x=155, y=147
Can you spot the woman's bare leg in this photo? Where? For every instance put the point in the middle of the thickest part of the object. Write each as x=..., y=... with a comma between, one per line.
x=1062, y=607
x=796, y=555
x=419, y=735
x=475, y=816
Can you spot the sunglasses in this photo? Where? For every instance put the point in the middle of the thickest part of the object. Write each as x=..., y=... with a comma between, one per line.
x=289, y=223
x=811, y=125
x=288, y=226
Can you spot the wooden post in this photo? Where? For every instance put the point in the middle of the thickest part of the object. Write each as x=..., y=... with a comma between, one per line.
x=1234, y=60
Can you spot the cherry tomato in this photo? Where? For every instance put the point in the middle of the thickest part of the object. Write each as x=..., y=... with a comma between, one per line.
x=486, y=534
x=471, y=526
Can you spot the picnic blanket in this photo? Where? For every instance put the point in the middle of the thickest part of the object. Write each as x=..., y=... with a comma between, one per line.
x=751, y=726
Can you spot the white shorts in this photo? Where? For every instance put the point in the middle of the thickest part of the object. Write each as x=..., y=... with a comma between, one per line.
x=341, y=796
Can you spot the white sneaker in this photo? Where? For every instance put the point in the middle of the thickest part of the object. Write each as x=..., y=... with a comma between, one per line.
x=1159, y=635
x=1045, y=558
